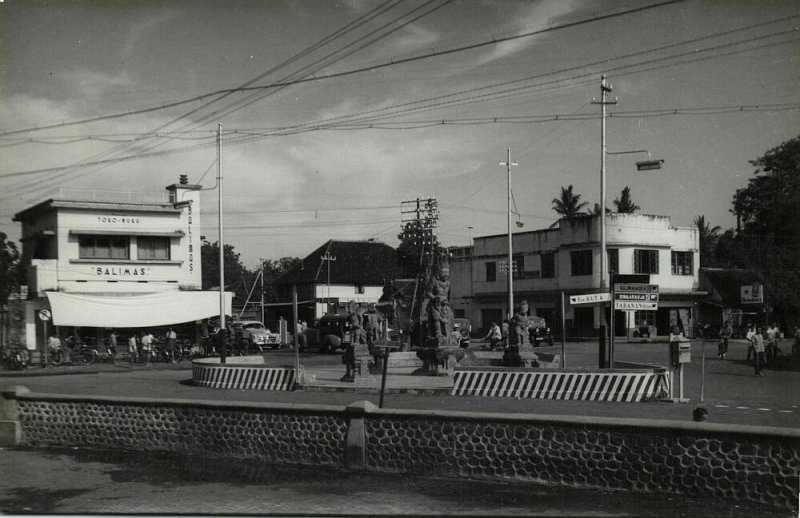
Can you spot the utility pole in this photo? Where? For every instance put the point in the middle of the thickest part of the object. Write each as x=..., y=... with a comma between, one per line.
x=262, y=290
x=604, y=89
x=222, y=328
x=328, y=257
x=508, y=163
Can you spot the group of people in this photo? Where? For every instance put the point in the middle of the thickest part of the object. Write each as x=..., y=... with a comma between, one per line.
x=762, y=351
x=141, y=350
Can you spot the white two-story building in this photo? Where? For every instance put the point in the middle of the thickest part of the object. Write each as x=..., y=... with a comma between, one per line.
x=97, y=265
x=566, y=259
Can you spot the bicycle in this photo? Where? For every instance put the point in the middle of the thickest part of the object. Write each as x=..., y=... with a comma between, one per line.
x=81, y=353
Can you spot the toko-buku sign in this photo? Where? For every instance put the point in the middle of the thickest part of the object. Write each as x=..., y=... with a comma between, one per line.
x=635, y=297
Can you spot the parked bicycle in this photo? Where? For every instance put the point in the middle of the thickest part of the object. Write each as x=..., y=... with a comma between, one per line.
x=15, y=357
x=70, y=352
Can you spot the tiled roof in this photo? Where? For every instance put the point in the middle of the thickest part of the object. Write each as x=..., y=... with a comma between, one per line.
x=356, y=262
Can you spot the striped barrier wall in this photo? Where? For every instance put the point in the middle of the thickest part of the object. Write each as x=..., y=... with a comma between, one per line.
x=248, y=377
x=620, y=386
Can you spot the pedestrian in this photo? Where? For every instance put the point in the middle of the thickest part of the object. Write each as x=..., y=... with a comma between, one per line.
x=724, y=335
x=494, y=336
x=54, y=347
x=147, y=347
x=172, y=337
x=750, y=336
x=758, y=350
x=133, y=349
x=773, y=335
x=112, y=345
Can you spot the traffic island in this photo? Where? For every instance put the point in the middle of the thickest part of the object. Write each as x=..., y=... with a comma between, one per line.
x=243, y=372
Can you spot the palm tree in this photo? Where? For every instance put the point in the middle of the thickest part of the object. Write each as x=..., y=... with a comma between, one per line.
x=708, y=239
x=624, y=203
x=569, y=205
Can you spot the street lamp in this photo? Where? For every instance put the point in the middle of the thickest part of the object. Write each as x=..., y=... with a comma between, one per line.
x=646, y=165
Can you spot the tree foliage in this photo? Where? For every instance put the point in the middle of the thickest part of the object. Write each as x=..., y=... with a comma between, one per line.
x=415, y=241
x=768, y=225
x=624, y=203
x=272, y=270
x=708, y=237
x=569, y=205
x=10, y=274
x=237, y=276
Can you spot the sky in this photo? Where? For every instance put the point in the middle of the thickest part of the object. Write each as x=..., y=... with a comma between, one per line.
x=334, y=112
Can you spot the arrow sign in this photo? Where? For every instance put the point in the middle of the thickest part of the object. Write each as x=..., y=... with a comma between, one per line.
x=590, y=298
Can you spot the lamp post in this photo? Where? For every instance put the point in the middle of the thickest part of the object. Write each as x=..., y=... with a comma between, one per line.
x=508, y=163
x=647, y=165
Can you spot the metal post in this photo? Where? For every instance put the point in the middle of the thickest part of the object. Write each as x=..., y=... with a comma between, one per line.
x=702, y=370
x=563, y=334
x=296, y=334
x=262, y=292
x=612, y=312
x=508, y=163
x=222, y=328
x=383, y=375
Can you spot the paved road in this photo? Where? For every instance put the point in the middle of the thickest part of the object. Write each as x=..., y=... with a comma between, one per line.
x=98, y=482
x=732, y=394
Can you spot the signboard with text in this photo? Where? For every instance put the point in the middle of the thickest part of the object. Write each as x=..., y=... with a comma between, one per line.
x=635, y=297
x=752, y=294
x=589, y=298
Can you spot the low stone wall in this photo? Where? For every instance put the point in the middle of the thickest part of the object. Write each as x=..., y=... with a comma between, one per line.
x=733, y=462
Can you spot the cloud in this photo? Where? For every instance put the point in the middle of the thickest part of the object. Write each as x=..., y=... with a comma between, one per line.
x=536, y=16
x=140, y=29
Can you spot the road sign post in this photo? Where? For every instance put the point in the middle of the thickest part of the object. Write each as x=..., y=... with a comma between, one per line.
x=44, y=316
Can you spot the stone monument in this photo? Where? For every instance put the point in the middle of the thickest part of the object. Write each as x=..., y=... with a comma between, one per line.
x=519, y=352
x=438, y=351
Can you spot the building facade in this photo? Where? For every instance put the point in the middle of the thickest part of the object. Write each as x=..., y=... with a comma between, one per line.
x=101, y=264
x=566, y=259
x=334, y=275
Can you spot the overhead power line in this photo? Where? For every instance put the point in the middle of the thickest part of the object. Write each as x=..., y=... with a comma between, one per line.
x=392, y=63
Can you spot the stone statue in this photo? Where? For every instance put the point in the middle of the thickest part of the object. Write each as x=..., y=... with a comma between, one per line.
x=518, y=332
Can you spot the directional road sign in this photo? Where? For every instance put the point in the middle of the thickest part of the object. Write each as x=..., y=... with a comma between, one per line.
x=590, y=298
x=633, y=297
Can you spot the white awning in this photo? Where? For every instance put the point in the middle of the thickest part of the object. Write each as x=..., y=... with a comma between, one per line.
x=147, y=310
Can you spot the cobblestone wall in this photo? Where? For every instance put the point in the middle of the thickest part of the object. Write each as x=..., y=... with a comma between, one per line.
x=280, y=435
x=732, y=462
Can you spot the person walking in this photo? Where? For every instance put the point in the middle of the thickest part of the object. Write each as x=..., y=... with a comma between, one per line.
x=758, y=350
x=112, y=346
x=751, y=333
x=724, y=335
x=172, y=337
x=147, y=347
x=133, y=349
x=773, y=334
x=494, y=336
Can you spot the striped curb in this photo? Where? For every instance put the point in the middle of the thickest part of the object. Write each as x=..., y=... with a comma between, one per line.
x=244, y=377
x=588, y=386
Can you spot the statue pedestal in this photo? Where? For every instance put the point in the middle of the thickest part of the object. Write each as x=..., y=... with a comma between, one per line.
x=439, y=361
x=356, y=359
x=516, y=356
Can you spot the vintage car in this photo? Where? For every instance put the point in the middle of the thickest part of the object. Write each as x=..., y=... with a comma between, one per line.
x=255, y=333
x=538, y=332
x=329, y=333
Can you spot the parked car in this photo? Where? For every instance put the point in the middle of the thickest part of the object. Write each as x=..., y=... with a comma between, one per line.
x=329, y=333
x=538, y=332
x=255, y=333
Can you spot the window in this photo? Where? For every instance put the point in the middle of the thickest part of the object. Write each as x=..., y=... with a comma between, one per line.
x=548, y=265
x=519, y=266
x=613, y=260
x=491, y=271
x=361, y=289
x=153, y=248
x=645, y=318
x=645, y=261
x=581, y=262
x=682, y=263
x=103, y=247
x=459, y=313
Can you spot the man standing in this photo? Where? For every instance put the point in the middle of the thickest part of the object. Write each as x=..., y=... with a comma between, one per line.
x=758, y=348
x=147, y=346
x=724, y=335
x=751, y=333
x=772, y=341
x=112, y=346
x=133, y=349
x=171, y=339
